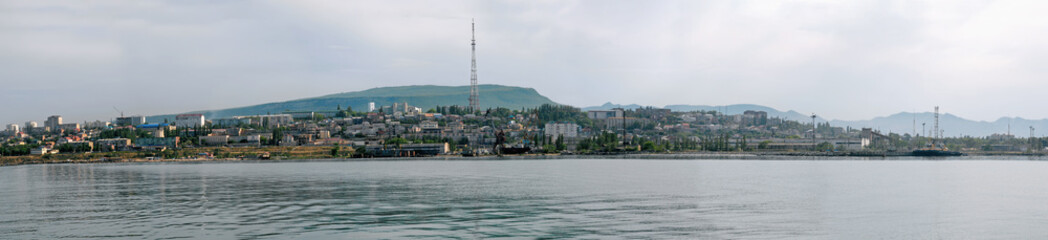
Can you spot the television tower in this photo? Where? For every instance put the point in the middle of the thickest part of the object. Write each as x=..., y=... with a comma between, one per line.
x=474, y=100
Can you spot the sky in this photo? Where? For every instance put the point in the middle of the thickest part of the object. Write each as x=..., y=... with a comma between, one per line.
x=845, y=60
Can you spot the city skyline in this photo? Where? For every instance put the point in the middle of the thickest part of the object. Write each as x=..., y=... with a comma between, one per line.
x=854, y=60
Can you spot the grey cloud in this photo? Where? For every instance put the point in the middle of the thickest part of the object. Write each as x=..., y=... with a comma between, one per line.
x=845, y=60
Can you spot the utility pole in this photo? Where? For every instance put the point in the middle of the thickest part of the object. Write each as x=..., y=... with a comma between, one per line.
x=1032, y=145
x=813, y=144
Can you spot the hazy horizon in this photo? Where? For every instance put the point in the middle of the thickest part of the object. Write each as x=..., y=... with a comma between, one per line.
x=851, y=60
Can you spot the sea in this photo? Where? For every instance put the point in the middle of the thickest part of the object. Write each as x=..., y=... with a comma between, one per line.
x=876, y=198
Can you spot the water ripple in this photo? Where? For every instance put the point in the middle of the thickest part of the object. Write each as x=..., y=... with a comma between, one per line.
x=522, y=199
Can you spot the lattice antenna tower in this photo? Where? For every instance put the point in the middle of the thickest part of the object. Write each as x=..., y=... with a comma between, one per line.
x=937, y=133
x=474, y=99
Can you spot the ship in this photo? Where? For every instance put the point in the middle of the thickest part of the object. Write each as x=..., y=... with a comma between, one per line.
x=936, y=153
x=937, y=149
x=500, y=147
x=516, y=150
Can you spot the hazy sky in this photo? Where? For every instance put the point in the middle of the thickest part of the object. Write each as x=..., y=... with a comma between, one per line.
x=841, y=59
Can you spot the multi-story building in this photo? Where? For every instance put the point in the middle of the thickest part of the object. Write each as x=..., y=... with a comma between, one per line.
x=429, y=126
x=230, y=122
x=275, y=120
x=69, y=127
x=404, y=109
x=214, y=140
x=605, y=114
x=156, y=129
x=755, y=118
x=130, y=121
x=113, y=144
x=189, y=120
x=568, y=130
x=12, y=128
x=157, y=143
x=96, y=124
x=53, y=122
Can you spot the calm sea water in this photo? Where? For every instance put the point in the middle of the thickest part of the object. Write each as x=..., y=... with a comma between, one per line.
x=529, y=199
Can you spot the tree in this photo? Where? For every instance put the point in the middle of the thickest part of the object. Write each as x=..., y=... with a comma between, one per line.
x=647, y=145
x=556, y=113
x=763, y=145
x=277, y=135
x=397, y=141
x=334, y=150
x=824, y=146
x=559, y=143
x=549, y=148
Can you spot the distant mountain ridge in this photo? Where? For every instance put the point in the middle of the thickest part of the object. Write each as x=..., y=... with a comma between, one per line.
x=429, y=96
x=423, y=96
x=951, y=125
x=728, y=109
x=901, y=123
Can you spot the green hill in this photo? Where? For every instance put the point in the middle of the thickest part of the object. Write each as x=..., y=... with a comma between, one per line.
x=424, y=96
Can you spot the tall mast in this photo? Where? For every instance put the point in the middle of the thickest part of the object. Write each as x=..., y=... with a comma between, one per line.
x=474, y=99
x=937, y=133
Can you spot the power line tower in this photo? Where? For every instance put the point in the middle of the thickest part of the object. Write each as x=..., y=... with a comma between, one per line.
x=474, y=100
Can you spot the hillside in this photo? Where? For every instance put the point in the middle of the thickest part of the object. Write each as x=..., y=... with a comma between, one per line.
x=424, y=96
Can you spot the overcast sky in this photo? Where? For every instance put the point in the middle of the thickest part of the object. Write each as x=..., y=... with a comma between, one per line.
x=845, y=60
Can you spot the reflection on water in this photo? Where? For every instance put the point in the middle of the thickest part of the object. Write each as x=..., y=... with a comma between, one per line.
x=530, y=199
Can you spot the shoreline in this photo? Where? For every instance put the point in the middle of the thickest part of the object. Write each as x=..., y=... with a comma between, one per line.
x=752, y=156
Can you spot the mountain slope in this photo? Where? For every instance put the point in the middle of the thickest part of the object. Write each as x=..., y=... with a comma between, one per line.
x=424, y=96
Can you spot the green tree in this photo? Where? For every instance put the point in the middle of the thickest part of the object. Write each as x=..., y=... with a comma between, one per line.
x=763, y=145
x=397, y=141
x=278, y=134
x=824, y=146
x=559, y=143
x=647, y=145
